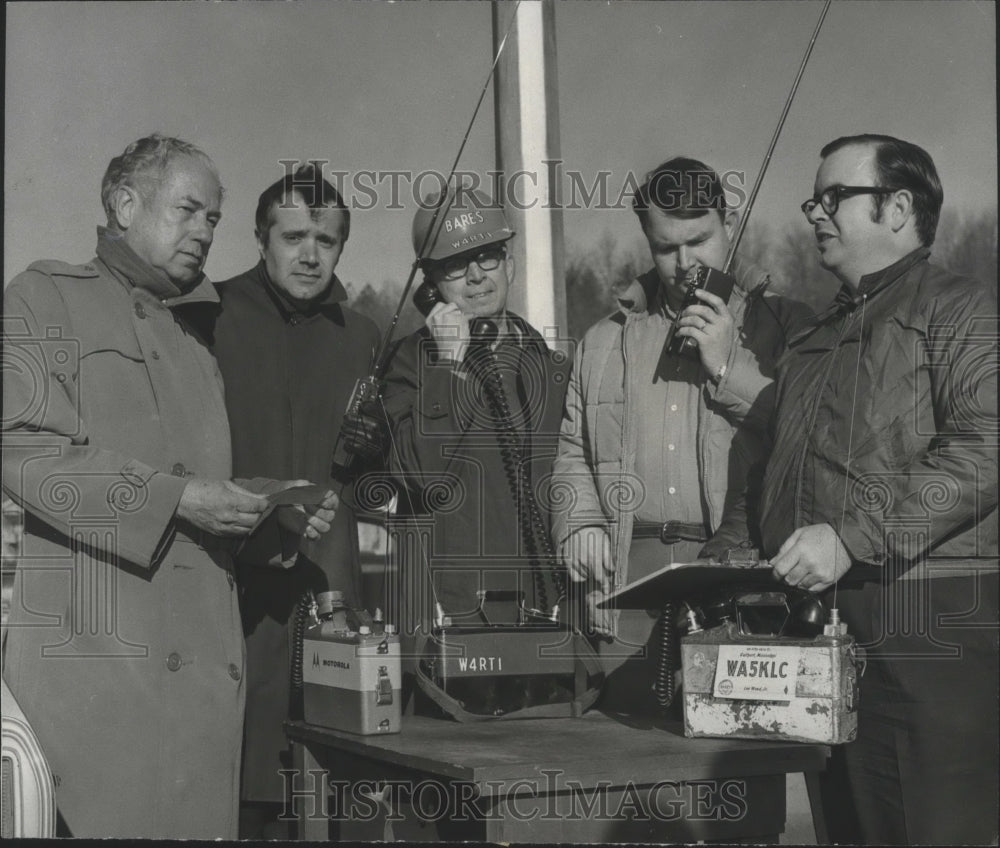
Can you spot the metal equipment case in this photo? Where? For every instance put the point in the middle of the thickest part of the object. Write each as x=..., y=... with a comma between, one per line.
x=766, y=687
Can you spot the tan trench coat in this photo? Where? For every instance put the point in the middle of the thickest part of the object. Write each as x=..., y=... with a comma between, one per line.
x=125, y=649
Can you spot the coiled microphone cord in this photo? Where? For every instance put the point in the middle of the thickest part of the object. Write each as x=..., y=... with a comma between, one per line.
x=532, y=525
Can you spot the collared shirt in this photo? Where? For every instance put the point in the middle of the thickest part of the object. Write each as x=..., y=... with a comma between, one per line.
x=663, y=403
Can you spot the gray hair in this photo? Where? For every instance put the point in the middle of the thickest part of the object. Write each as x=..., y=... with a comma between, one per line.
x=142, y=165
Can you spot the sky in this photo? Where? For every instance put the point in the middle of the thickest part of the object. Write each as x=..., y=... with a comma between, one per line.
x=381, y=86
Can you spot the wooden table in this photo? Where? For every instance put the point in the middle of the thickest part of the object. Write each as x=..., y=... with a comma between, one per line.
x=590, y=779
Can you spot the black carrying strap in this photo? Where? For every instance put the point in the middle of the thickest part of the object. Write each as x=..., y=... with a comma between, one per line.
x=583, y=653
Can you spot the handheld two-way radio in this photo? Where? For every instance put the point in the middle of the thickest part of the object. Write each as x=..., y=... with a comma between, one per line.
x=719, y=282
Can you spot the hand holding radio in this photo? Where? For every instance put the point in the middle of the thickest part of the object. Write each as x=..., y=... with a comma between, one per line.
x=710, y=324
x=450, y=328
x=812, y=558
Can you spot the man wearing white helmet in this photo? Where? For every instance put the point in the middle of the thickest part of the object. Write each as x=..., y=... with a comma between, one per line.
x=474, y=400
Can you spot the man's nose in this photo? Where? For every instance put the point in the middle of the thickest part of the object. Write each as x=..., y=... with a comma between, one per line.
x=204, y=232
x=307, y=252
x=685, y=258
x=817, y=214
x=475, y=274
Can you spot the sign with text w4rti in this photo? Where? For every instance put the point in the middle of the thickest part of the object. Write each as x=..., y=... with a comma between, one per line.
x=756, y=672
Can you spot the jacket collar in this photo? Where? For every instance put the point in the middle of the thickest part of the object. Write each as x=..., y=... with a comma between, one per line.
x=126, y=265
x=334, y=295
x=847, y=299
x=515, y=330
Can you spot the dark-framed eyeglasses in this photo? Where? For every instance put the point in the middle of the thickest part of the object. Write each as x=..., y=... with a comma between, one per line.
x=489, y=258
x=830, y=198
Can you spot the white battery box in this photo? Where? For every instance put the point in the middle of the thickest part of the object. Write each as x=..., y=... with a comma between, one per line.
x=351, y=680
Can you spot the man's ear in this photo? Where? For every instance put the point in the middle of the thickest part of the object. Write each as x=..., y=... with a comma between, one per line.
x=899, y=209
x=125, y=205
x=729, y=221
x=261, y=242
x=510, y=268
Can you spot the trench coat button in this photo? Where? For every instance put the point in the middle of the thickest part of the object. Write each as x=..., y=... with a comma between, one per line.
x=140, y=311
x=179, y=470
x=155, y=354
x=436, y=407
x=174, y=661
x=231, y=579
x=234, y=671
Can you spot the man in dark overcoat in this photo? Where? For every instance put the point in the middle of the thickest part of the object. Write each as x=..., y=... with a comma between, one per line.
x=290, y=352
x=124, y=646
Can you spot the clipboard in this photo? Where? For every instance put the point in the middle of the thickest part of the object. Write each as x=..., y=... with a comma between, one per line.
x=680, y=581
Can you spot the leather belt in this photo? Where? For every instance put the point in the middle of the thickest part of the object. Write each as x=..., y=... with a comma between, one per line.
x=670, y=531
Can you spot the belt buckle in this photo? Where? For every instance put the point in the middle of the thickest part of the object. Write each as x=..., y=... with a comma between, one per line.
x=666, y=536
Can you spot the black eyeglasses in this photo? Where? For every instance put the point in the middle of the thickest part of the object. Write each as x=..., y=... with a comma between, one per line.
x=830, y=198
x=488, y=259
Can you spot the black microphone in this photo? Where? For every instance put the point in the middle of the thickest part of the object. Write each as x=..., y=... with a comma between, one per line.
x=484, y=332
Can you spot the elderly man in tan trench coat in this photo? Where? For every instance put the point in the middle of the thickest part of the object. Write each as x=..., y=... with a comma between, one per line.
x=125, y=648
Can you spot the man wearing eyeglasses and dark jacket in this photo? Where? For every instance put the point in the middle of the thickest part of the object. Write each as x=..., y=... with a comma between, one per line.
x=885, y=460
x=465, y=446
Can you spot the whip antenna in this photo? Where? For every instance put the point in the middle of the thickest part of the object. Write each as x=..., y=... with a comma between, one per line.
x=438, y=219
x=774, y=141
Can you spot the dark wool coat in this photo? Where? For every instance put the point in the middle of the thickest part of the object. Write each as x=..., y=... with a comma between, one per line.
x=448, y=461
x=124, y=647
x=288, y=379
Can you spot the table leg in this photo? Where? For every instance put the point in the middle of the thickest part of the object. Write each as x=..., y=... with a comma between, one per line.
x=307, y=796
x=816, y=807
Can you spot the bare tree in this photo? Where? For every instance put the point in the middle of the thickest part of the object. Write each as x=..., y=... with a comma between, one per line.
x=967, y=243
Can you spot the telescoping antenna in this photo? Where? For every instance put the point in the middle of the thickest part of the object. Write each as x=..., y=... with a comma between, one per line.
x=774, y=141
x=441, y=210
